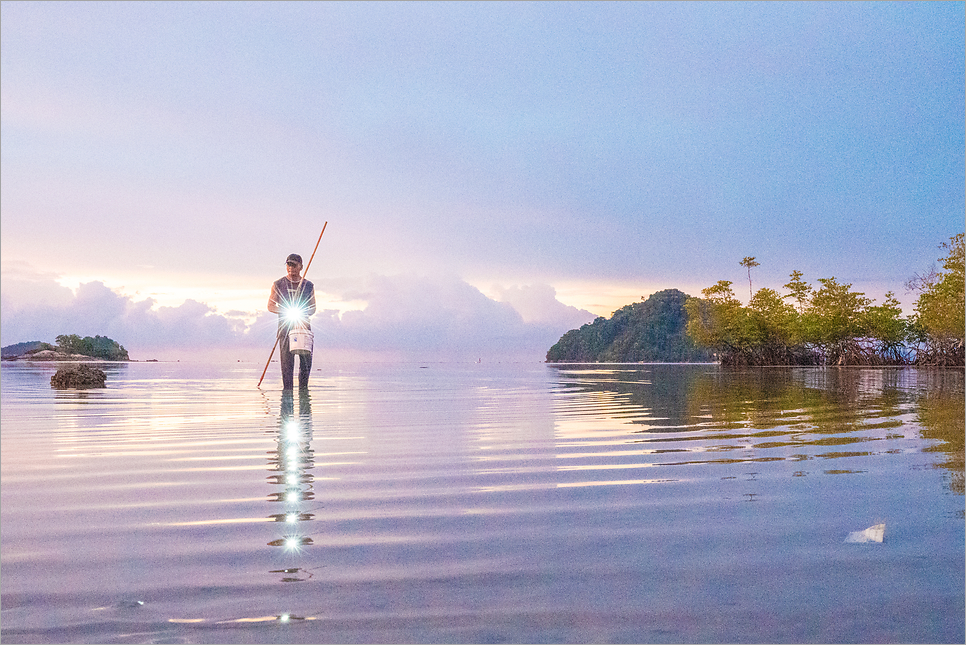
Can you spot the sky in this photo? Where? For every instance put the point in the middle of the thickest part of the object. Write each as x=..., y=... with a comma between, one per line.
x=490, y=175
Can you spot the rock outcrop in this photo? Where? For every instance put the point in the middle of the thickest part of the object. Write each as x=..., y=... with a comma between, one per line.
x=79, y=377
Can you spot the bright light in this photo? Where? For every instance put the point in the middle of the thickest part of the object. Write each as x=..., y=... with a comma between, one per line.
x=294, y=314
x=291, y=518
x=292, y=543
x=292, y=496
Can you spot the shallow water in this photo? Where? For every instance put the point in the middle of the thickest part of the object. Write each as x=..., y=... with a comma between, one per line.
x=483, y=503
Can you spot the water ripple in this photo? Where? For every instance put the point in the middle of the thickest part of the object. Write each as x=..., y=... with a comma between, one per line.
x=479, y=503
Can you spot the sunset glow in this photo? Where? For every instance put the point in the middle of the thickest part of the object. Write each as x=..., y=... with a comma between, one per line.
x=492, y=174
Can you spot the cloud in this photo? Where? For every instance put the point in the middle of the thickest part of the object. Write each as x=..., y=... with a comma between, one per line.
x=404, y=316
x=538, y=304
x=94, y=309
x=445, y=317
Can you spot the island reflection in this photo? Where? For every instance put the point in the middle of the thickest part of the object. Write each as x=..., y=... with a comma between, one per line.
x=767, y=414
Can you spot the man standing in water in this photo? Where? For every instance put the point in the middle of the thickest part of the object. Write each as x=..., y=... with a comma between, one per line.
x=293, y=299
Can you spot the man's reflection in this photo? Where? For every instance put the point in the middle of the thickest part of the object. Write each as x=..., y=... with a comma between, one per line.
x=291, y=480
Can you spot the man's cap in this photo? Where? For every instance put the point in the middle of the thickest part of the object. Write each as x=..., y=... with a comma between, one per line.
x=293, y=257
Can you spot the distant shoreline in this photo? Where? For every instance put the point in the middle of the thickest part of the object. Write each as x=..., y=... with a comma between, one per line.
x=47, y=355
x=69, y=348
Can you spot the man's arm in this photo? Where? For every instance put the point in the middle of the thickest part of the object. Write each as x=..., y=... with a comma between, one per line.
x=310, y=309
x=273, y=301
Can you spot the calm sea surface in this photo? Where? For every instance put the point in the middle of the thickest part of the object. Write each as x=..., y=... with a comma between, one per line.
x=483, y=503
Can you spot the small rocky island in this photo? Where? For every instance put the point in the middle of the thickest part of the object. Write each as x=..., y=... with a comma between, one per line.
x=71, y=348
x=68, y=348
x=80, y=376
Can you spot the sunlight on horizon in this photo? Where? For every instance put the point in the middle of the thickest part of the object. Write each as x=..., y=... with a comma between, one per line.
x=600, y=298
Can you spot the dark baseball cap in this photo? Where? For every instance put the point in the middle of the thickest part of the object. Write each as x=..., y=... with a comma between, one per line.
x=293, y=258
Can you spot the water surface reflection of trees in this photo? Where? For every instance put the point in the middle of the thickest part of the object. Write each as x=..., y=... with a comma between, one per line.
x=808, y=412
x=941, y=413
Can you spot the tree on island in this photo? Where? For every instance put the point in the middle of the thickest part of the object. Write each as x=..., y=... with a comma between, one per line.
x=834, y=325
x=96, y=347
x=749, y=262
x=940, y=320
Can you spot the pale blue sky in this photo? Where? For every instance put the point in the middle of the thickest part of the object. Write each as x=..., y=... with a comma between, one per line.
x=596, y=152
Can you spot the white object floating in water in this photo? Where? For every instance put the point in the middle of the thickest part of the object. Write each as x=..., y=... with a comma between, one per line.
x=871, y=534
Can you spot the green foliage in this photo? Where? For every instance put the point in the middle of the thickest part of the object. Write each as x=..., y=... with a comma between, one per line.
x=649, y=331
x=96, y=347
x=766, y=332
x=886, y=326
x=835, y=320
x=940, y=318
x=799, y=290
x=831, y=325
x=774, y=327
x=720, y=322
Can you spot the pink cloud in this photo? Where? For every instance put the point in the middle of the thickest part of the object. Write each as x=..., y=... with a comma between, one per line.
x=405, y=316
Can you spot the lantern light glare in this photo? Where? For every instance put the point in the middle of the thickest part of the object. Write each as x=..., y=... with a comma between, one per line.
x=295, y=314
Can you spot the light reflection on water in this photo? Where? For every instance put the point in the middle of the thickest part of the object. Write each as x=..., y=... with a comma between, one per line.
x=475, y=503
x=292, y=462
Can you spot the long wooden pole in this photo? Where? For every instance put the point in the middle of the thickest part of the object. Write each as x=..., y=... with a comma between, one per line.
x=304, y=273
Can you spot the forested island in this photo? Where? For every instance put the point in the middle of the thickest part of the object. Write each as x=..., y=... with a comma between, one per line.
x=69, y=347
x=825, y=325
x=652, y=331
